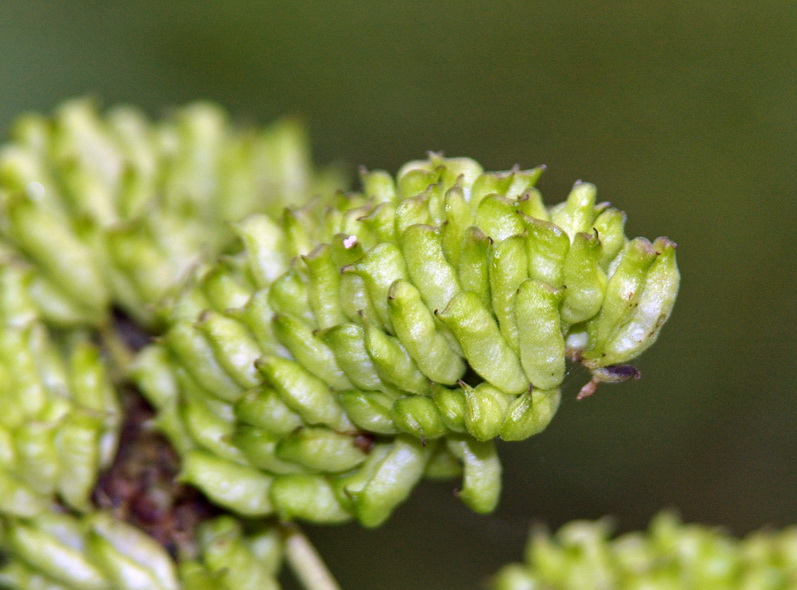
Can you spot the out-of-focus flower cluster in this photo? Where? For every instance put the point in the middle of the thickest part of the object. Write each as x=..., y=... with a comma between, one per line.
x=103, y=211
x=115, y=210
x=669, y=556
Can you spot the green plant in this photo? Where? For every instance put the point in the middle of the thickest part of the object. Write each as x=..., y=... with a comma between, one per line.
x=669, y=555
x=302, y=359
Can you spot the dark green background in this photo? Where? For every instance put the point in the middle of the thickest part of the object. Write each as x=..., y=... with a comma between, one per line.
x=683, y=113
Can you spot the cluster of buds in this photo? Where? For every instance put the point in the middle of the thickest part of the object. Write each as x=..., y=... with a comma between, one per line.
x=60, y=551
x=114, y=209
x=59, y=412
x=349, y=350
x=314, y=360
x=60, y=418
x=669, y=555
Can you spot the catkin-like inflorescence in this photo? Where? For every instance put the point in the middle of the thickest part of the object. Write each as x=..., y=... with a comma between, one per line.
x=96, y=551
x=350, y=349
x=59, y=412
x=114, y=209
x=669, y=555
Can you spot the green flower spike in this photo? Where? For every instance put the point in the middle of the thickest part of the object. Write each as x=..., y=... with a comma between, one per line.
x=57, y=551
x=345, y=351
x=230, y=558
x=59, y=413
x=669, y=555
x=116, y=210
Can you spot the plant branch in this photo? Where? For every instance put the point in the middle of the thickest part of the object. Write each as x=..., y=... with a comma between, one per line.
x=306, y=563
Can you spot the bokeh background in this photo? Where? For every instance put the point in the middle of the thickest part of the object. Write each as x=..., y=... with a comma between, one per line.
x=683, y=113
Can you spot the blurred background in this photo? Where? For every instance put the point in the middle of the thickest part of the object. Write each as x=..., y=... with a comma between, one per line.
x=683, y=113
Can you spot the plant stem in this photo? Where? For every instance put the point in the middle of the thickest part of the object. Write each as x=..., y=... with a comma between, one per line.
x=306, y=563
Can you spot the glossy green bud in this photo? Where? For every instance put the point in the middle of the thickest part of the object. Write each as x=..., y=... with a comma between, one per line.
x=136, y=266
x=530, y=414
x=485, y=407
x=474, y=263
x=416, y=329
x=378, y=185
x=413, y=211
x=392, y=361
x=224, y=288
x=232, y=345
x=259, y=447
x=263, y=239
x=347, y=342
x=381, y=223
x=307, y=347
x=198, y=357
x=35, y=447
x=19, y=499
x=442, y=464
x=653, y=307
x=386, y=480
x=113, y=209
x=320, y=450
x=323, y=287
x=304, y=393
x=446, y=169
x=263, y=407
x=256, y=316
x=370, y=410
x=508, y=269
x=414, y=181
x=152, y=372
x=585, y=280
x=418, y=416
x=459, y=218
x=622, y=297
x=428, y=268
x=547, y=246
x=513, y=183
x=542, y=345
x=530, y=203
x=354, y=297
x=208, y=422
x=288, y=294
x=497, y=217
x=577, y=213
x=233, y=486
x=485, y=348
x=610, y=227
x=452, y=405
x=514, y=577
x=297, y=234
x=17, y=307
x=481, y=486
x=309, y=497
x=380, y=267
